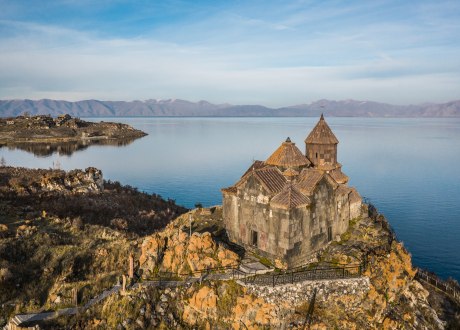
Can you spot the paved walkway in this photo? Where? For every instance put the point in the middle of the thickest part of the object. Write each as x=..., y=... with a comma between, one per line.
x=33, y=317
x=23, y=318
x=254, y=267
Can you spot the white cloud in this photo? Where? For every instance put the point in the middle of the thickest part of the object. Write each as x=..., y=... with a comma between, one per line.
x=275, y=62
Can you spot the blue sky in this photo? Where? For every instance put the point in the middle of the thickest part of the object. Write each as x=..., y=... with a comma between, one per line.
x=273, y=53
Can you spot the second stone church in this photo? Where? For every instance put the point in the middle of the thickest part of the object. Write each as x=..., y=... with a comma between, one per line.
x=292, y=204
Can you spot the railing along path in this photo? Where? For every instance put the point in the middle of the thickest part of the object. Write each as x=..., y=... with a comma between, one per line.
x=167, y=279
x=441, y=285
x=291, y=277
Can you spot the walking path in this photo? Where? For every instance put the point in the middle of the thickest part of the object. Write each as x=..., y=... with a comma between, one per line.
x=34, y=317
x=244, y=271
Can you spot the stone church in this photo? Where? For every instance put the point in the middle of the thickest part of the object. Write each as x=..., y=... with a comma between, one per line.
x=291, y=205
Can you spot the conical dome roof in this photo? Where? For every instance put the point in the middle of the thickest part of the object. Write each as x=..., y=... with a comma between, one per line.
x=321, y=134
x=287, y=155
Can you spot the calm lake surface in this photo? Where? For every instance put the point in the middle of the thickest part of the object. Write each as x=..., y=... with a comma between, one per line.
x=408, y=168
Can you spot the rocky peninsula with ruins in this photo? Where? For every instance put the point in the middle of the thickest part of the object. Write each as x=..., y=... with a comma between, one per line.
x=43, y=134
x=80, y=252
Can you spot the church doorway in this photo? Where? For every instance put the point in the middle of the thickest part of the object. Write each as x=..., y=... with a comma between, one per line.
x=254, y=238
x=329, y=234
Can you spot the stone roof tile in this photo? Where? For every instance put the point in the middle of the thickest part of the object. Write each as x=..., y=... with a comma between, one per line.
x=355, y=196
x=321, y=134
x=254, y=166
x=308, y=180
x=290, y=197
x=339, y=176
x=290, y=172
x=230, y=190
x=287, y=155
x=272, y=178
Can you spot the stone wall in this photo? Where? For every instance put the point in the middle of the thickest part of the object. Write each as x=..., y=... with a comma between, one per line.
x=303, y=291
x=320, y=154
x=311, y=226
x=249, y=214
x=356, y=209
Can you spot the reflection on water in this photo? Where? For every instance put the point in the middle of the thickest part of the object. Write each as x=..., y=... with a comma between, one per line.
x=408, y=168
x=66, y=148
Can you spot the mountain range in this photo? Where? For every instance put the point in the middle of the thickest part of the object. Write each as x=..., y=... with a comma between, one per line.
x=182, y=108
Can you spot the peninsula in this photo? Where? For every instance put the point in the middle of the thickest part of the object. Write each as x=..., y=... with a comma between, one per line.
x=32, y=132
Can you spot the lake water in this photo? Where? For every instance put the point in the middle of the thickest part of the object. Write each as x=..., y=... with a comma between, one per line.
x=408, y=168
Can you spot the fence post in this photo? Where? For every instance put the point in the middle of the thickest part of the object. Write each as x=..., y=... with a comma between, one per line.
x=292, y=277
x=273, y=278
x=343, y=272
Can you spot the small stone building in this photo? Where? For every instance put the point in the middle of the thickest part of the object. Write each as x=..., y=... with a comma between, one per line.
x=291, y=205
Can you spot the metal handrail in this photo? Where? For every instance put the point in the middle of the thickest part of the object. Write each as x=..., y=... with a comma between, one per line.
x=438, y=283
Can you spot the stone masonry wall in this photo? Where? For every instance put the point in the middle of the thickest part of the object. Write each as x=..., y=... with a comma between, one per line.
x=320, y=154
x=355, y=209
x=300, y=292
x=312, y=233
x=255, y=215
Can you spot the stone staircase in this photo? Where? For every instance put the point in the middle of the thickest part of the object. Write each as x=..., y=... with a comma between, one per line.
x=102, y=296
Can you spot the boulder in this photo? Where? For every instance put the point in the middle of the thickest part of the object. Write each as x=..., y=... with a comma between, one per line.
x=151, y=251
x=25, y=230
x=204, y=300
x=227, y=258
x=5, y=275
x=3, y=230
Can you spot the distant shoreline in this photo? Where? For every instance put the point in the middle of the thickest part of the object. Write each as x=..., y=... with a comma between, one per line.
x=182, y=108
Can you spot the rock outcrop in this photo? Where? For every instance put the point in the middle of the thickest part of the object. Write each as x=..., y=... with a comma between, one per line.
x=174, y=250
x=25, y=182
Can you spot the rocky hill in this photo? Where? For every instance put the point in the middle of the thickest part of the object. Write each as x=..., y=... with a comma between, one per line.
x=59, y=230
x=71, y=234
x=386, y=296
x=158, y=108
